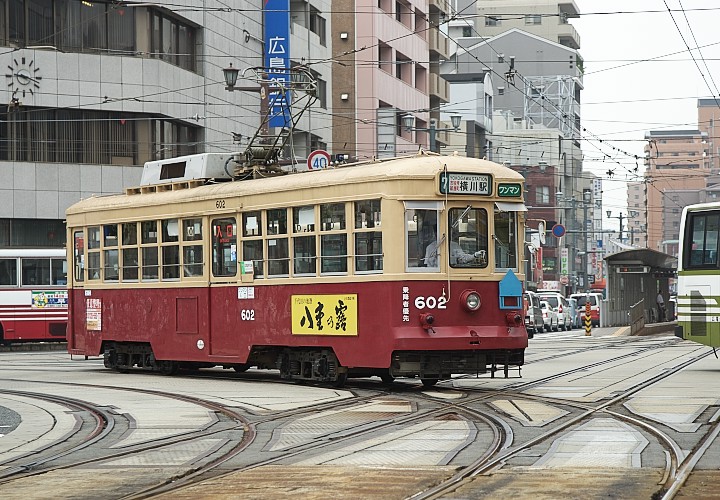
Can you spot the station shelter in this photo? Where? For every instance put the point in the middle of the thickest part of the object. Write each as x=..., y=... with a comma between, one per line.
x=634, y=278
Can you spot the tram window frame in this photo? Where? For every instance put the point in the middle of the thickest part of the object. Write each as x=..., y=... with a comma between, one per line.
x=367, y=238
x=467, y=236
x=170, y=245
x=129, y=253
x=9, y=272
x=278, y=258
x=192, y=233
x=93, y=264
x=149, y=251
x=333, y=216
x=422, y=243
x=304, y=241
x=253, y=245
x=225, y=246
x=500, y=218
x=79, y=256
x=333, y=246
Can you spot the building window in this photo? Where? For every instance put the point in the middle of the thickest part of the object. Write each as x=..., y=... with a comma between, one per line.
x=492, y=21
x=317, y=25
x=467, y=31
x=542, y=195
x=533, y=19
x=172, y=40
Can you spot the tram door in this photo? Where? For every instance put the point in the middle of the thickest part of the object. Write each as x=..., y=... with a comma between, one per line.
x=223, y=287
x=77, y=318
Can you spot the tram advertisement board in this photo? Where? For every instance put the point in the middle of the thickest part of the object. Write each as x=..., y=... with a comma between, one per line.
x=324, y=314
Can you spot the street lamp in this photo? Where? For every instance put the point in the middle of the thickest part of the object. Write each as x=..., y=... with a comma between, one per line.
x=231, y=75
x=409, y=122
x=621, y=217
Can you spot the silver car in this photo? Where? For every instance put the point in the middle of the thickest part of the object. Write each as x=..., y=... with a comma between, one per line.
x=561, y=307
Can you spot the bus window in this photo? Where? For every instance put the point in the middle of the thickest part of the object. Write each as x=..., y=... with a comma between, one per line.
x=505, y=240
x=8, y=272
x=35, y=272
x=704, y=248
x=224, y=247
x=79, y=256
x=58, y=271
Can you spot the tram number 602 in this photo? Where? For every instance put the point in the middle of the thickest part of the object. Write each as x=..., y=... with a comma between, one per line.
x=430, y=302
x=247, y=315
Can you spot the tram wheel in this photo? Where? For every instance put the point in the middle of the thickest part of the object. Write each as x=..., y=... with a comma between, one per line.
x=340, y=380
x=168, y=367
x=429, y=382
x=387, y=378
x=241, y=367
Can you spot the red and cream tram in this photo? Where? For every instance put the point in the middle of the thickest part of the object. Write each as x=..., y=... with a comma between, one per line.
x=406, y=267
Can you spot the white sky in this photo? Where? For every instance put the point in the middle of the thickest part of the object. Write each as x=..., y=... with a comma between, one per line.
x=626, y=95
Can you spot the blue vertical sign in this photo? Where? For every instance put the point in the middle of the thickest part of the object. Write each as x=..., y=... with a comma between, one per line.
x=277, y=60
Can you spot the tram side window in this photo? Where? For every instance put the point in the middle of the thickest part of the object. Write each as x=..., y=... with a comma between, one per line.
x=422, y=240
x=170, y=252
x=79, y=255
x=224, y=247
x=333, y=247
x=8, y=272
x=277, y=248
x=93, y=256
x=35, y=272
x=129, y=252
x=505, y=240
x=704, y=249
x=305, y=246
x=111, y=261
x=368, y=244
x=253, y=248
x=192, y=247
x=149, y=250
x=367, y=214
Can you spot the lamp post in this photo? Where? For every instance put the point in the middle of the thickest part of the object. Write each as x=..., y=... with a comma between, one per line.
x=409, y=122
x=621, y=217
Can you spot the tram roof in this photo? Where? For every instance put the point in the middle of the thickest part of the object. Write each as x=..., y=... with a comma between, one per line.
x=419, y=166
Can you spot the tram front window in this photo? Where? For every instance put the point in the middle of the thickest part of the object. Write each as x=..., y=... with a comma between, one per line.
x=468, y=241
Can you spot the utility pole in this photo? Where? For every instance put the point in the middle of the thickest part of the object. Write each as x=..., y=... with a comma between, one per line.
x=621, y=217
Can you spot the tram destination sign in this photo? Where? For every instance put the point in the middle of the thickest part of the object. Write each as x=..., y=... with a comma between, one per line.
x=462, y=183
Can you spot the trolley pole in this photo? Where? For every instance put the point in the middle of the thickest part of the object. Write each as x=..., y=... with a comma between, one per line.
x=588, y=319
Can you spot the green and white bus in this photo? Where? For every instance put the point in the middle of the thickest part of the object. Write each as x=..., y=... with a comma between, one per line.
x=698, y=288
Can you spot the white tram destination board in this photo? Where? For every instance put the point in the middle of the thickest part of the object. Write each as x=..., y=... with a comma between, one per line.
x=457, y=183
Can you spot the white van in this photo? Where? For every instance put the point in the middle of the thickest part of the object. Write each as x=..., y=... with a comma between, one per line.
x=561, y=307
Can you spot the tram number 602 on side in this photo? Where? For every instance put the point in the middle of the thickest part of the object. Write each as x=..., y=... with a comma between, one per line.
x=247, y=315
x=430, y=302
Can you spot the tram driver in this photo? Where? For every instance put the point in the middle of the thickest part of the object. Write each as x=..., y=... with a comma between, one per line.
x=458, y=256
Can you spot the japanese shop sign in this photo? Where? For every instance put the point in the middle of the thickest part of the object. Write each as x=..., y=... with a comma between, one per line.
x=324, y=314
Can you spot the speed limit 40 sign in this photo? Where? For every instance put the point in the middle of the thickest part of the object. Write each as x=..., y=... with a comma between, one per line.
x=318, y=160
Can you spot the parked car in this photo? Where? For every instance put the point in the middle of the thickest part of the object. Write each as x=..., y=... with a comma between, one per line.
x=549, y=317
x=594, y=299
x=572, y=303
x=561, y=307
x=534, y=322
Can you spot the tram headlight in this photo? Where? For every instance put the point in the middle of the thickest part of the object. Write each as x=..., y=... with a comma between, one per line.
x=470, y=300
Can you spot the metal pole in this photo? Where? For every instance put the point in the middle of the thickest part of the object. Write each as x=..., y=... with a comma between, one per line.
x=433, y=143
